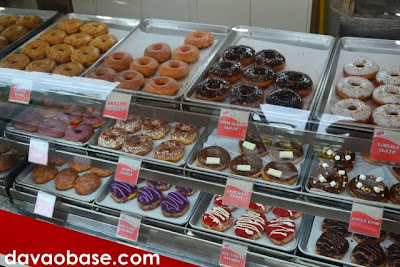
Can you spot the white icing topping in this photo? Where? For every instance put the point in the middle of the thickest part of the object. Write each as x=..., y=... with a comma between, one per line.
x=360, y=66
x=363, y=177
x=379, y=179
x=329, y=152
x=249, y=145
x=212, y=160
x=286, y=154
x=321, y=179
x=245, y=168
x=355, y=87
x=337, y=157
x=325, y=165
x=218, y=215
x=332, y=184
x=284, y=226
x=274, y=172
x=251, y=222
x=359, y=185
x=377, y=189
x=389, y=76
x=345, y=107
x=387, y=115
x=347, y=157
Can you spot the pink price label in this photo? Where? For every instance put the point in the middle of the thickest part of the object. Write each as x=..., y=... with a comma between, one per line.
x=233, y=123
x=117, y=106
x=38, y=151
x=366, y=220
x=128, y=227
x=20, y=91
x=385, y=145
x=45, y=204
x=233, y=255
x=128, y=170
x=237, y=193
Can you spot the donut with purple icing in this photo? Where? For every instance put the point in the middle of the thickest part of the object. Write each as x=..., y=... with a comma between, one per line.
x=28, y=122
x=174, y=205
x=79, y=133
x=52, y=128
x=94, y=121
x=69, y=119
x=149, y=198
x=158, y=185
x=73, y=109
x=46, y=113
x=93, y=112
x=122, y=192
x=186, y=191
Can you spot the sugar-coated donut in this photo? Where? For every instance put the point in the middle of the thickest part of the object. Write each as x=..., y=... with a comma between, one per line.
x=60, y=53
x=118, y=61
x=354, y=87
x=159, y=51
x=94, y=28
x=162, y=85
x=186, y=53
x=36, y=49
x=176, y=69
x=8, y=20
x=29, y=21
x=70, y=69
x=53, y=36
x=85, y=55
x=42, y=65
x=3, y=41
x=200, y=39
x=70, y=26
x=361, y=66
x=130, y=79
x=16, y=61
x=13, y=33
x=145, y=65
x=352, y=108
x=78, y=40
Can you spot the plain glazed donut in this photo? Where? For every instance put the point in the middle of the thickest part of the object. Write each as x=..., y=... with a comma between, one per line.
x=60, y=53
x=200, y=39
x=118, y=61
x=247, y=95
x=70, y=26
x=176, y=69
x=186, y=53
x=388, y=76
x=387, y=115
x=299, y=82
x=159, y=51
x=240, y=53
x=78, y=40
x=42, y=65
x=352, y=108
x=54, y=36
x=3, y=41
x=147, y=66
x=162, y=85
x=130, y=79
x=36, y=49
x=354, y=87
x=260, y=76
x=213, y=89
x=70, y=69
x=102, y=73
x=29, y=21
x=104, y=42
x=86, y=55
x=230, y=71
x=270, y=58
x=94, y=28
x=362, y=67
x=13, y=33
x=16, y=61
x=386, y=94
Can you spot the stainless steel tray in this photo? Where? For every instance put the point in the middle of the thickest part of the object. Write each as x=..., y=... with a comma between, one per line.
x=173, y=33
x=149, y=157
x=7, y=177
x=207, y=204
x=25, y=178
x=47, y=15
x=304, y=52
x=120, y=27
x=232, y=146
x=312, y=231
x=385, y=53
x=105, y=200
x=360, y=167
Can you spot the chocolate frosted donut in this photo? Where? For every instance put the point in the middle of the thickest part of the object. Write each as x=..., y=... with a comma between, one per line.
x=213, y=152
x=251, y=160
x=395, y=171
x=368, y=254
x=369, y=187
x=339, y=159
x=239, y=53
x=285, y=98
x=287, y=172
x=328, y=179
x=149, y=198
x=394, y=237
x=247, y=95
x=362, y=238
x=394, y=194
x=213, y=89
x=122, y=192
x=230, y=71
x=341, y=228
x=254, y=139
x=279, y=152
x=270, y=58
x=332, y=245
x=174, y=205
x=299, y=82
x=260, y=75
x=393, y=256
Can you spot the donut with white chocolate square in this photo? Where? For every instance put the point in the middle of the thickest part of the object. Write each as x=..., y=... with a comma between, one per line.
x=253, y=144
x=248, y=165
x=214, y=158
x=287, y=151
x=369, y=187
x=280, y=172
x=328, y=179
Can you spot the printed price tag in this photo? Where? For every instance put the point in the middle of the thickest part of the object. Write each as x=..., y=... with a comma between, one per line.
x=128, y=227
x=237, y=193
x=233, y=123
x=117, y=106
x=128, y=170
x=386, y=145
x=366, y=219
x=20, y=91
x=45, y=204
x=38, y=151
x=233, y=255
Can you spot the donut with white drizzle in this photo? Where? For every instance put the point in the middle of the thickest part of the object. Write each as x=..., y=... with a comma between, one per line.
x=250, y=225
x=281, y=230
x=218, y=219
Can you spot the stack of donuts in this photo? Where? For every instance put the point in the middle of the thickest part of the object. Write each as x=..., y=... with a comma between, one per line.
x=244, y=76
x=136, y=73
x=356, y=88
x=56, y=120
x=13, y=27
x=67, y=50
x=120, y=136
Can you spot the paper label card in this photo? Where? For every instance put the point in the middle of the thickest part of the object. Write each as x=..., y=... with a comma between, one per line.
x=128, y=170
x=233, y=255
x=366, y=220
x=386, y=145
x=45, y=204
x=38, y=151
x=237, y=193
x=117, y=106
x=128, y=227
x=20, y=91
x=233, y=123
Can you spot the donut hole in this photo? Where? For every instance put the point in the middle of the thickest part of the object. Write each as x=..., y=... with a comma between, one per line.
x=185, y=49
x=34, y=47
x=67, y=68
x=174, y=64
x=352, y=108
x=360, y=65
x=62, y=49
x=394, y=74
x=85, y=53
x=157, y=46
x=355, y=84
x=118, y=56
x=144, y=62
x=160, y=82
x=393, y=113
x=198, y=35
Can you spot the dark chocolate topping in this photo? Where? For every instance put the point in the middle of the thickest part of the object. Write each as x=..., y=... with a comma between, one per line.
x=246, y=94
x=148, y=195
x=338, y=227
x=270, y=58
x=332, y=244
x=215, y=152
x=226, y=69
x=340, y=163
x=393, y=255
x=322, y=178
x=394, y=192
x=370, y=238
x=396, y=170
x=293, y=80
x=368, y=254
x=122, y=190
x=367, y=190
x=238, y=52
x=246, y=159
x=289, y=171
x=284, y=98
x=395, y=237
x=213, y=87
x=174, y=202
x=259, y=74
x=255, y=139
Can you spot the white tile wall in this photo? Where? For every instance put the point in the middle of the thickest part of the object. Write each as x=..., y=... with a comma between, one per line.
x=119, y=8
x=166, y=9
x=84, y=7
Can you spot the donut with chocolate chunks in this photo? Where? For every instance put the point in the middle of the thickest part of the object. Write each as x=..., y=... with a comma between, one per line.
x=247, y=95
x=328, y=179
x=284, y=98
x=270, y=58
x=369, y=187
x=331, y=244
x=260, y=76
x=230, y=71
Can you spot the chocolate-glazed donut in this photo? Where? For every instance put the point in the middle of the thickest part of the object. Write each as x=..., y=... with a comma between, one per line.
x=213, y=89
x=394, y=194
x=339, y=159
x=284, y=98
x=393, y=255
x=213, y=152
x=255, y=139
x=362, y=238
x=299, y=82
x=247, y=95
x=289, y=172
x=328, y=179
x=331, y=244
x=281, y=146
x=341, y=228
x=368, y=254
x=394, y=237
x=253, y=160
x=270, y=58
x=239, y=53
x=260, y=76
x=230, y=71
x=369, y=187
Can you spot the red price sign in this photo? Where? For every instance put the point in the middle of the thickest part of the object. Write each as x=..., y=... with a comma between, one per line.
x=20, y=91
x=38, y=151
x=128, y=227
x=117, y=106
x=386, y=145
x=128, y=170
x=233, y=255
x=233, y=123
x=45, y=204
x=237, y=193
x=366, y=220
